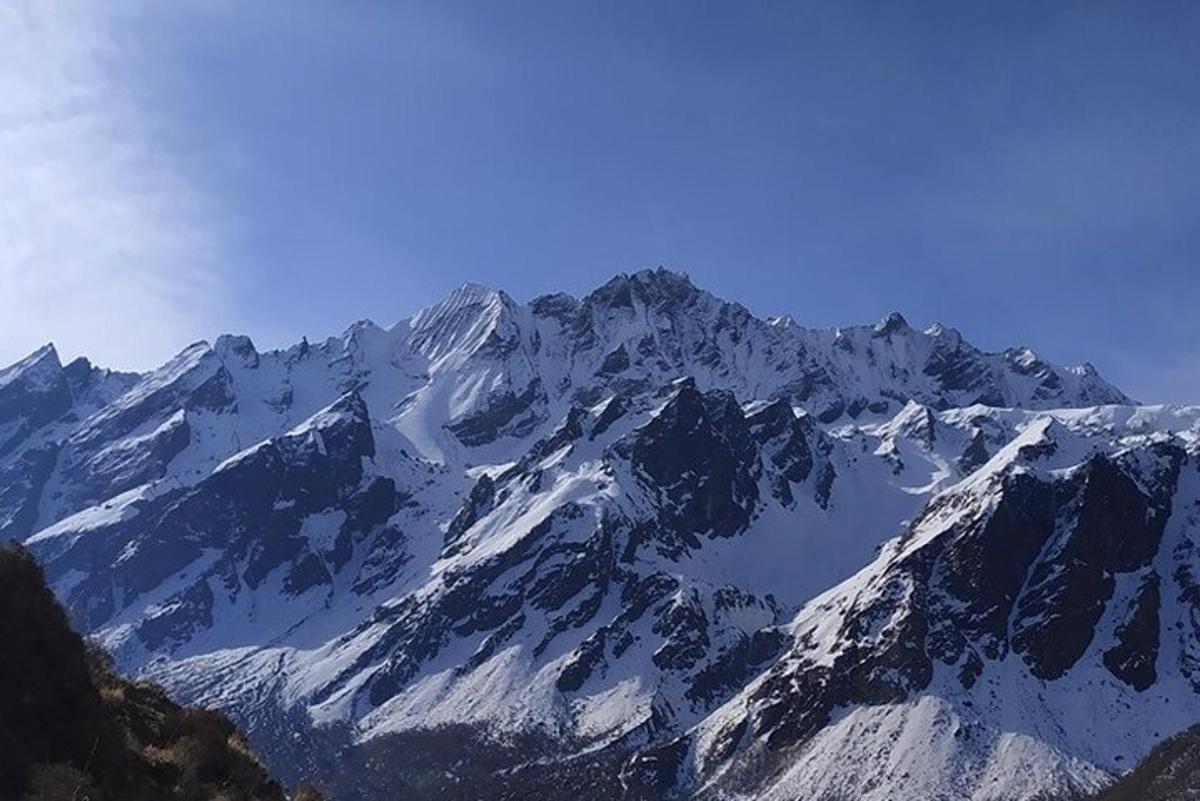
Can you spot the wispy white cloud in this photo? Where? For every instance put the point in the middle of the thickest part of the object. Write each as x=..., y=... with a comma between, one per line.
x=106, y=245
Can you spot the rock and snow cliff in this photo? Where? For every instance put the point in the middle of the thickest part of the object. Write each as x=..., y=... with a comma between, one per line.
x=643, y=537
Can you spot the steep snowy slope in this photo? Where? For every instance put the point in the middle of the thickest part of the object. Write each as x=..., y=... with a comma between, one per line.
x=1032, y=632
x=609, y=530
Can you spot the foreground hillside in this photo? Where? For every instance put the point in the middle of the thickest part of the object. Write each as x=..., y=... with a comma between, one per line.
x=71, y=729
x=638, y=543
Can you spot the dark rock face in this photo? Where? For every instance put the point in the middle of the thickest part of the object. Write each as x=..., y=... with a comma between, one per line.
x=655, y=289
x=615, y=362
x=1133, y=658
x=507, y=414
x=559, y=305
x=734, y=667
x=989, y=569
x=958, y=368
x=614, y=410
x=21, y=484
x=976, y=454
x=1117, y=529
x=699, y=454
x=477, y=504
x=785, y=440
x=191, y=612
x=569, y=432
x=653, y=772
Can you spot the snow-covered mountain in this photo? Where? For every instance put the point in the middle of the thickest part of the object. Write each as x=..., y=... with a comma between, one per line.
x=639, y=543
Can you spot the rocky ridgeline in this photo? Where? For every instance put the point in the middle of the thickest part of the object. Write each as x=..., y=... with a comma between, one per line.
x=643, y=542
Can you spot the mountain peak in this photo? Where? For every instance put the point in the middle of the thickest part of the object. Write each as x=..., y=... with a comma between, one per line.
x=472, y=292
x=465, y=320
x=236, y=346
x=894, y=322
x=651, y=287
x=664, y=276
x=42, y=362
x=463, y=297
x=554, y=304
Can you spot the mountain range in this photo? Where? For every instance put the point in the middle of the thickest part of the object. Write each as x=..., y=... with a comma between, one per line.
x=641, y=544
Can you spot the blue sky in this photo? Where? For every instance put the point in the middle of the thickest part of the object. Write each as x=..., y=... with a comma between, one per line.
x=1029, y=173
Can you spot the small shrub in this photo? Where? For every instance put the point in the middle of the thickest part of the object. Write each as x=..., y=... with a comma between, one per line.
x=307, y=792
x=203, y=747
x=60, y=782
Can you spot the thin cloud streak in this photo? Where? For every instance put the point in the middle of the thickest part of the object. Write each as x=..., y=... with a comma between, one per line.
x=106, y=246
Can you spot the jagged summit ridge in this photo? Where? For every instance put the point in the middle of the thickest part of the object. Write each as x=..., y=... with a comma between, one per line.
x=625, y=527
x=528, y=362
x=646, y=327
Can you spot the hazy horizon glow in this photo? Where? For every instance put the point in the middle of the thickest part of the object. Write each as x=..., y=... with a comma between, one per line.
x=1026, y=175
